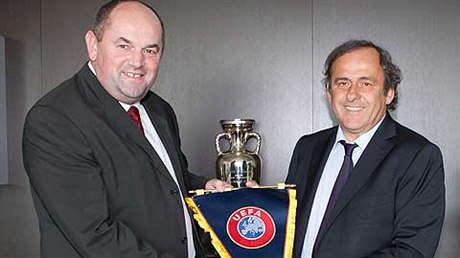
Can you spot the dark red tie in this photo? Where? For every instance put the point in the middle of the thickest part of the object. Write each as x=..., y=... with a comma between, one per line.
x=133, y=112
x=345, y=171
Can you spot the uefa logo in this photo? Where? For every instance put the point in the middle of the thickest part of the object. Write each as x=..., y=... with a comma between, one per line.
x=251, y=227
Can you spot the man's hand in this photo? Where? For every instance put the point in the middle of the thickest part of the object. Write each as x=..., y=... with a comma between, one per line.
x=217, y=185
x=252, y=183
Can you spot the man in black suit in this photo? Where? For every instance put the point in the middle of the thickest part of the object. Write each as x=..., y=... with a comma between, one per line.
x=388, y=199
x=104, y=185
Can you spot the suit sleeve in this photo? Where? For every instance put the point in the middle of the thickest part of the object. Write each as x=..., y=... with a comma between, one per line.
x=67, y=182
x=420, y=207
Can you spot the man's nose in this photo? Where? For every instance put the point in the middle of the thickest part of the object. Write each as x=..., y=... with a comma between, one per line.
x=136, y=59
x=353, y=92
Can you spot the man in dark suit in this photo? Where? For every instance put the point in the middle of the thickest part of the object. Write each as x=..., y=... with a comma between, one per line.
x=368, y=187
x=103, y=153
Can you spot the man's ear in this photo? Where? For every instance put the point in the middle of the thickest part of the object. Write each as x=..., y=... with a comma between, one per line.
x=328, y=93
x=91, y=45
x=390, y=95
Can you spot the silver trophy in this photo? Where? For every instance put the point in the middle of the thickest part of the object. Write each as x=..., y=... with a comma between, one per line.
x=238, y=164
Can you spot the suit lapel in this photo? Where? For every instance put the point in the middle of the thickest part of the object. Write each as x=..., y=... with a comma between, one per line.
x=108, y=109
x=373, y=155
x=162, y=128
x=134, y=135
x=318, y=160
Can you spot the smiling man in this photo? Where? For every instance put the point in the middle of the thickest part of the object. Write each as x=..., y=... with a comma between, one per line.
x=103, y=153
x=368, y=187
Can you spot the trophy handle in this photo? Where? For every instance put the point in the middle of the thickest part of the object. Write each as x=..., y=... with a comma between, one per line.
x=218, y=137
x=257, y=137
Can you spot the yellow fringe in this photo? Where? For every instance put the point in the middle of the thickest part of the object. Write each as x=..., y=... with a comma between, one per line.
x=290, y=224
x=198, y=216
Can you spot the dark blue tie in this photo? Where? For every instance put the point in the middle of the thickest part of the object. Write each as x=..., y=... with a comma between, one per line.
x=345, y=171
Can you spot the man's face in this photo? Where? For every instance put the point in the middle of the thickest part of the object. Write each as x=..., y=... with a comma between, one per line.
x=356, y=91
x=127, y=58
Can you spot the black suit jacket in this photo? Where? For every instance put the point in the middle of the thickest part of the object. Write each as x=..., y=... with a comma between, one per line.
x=392, y=204
x=99, y=188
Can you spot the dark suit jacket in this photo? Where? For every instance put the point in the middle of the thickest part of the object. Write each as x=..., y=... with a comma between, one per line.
x=99, y=188
x=392, y=204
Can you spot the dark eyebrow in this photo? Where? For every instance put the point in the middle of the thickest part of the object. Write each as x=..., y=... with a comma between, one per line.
x=367, y=78
x=153, y=46
x=360, y=78
x=341, y=78
x=125, y=40
x=129, y=42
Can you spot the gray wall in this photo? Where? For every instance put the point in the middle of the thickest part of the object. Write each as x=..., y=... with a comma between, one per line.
x=258, y=59
x=3, y=125
x=20, y=24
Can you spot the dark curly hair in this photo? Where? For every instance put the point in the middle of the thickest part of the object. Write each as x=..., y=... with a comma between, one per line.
x=391, y=71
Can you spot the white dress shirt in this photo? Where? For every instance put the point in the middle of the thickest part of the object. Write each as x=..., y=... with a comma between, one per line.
x=327, y=181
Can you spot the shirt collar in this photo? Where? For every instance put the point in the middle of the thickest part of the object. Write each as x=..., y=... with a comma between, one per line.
x=363, y=140
x=127, y=106
x=91, y=67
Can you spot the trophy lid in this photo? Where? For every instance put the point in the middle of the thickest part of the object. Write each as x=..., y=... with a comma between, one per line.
x=237, y=122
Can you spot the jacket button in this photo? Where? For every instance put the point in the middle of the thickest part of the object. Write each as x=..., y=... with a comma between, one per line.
x=184, y=240
x=174, y=191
